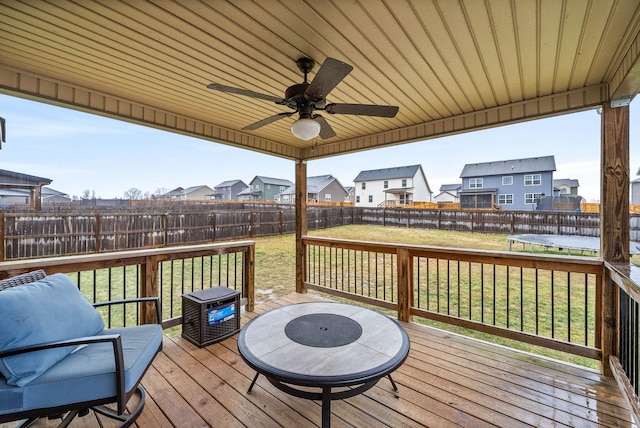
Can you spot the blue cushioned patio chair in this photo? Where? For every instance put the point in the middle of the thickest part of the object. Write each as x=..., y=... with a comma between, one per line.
x=56, y=358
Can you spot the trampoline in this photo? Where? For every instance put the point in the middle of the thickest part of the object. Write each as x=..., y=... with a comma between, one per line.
x=577, y=244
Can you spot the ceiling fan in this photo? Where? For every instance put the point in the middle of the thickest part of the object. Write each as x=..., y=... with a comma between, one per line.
x=308, y=97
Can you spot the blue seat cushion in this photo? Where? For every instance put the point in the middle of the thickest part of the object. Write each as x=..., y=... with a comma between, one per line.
x=86, y=374
x=46, y=310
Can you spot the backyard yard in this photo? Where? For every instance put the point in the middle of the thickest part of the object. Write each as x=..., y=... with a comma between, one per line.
x=275, y=275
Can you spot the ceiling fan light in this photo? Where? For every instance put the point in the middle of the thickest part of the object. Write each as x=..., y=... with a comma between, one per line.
x=305, y=129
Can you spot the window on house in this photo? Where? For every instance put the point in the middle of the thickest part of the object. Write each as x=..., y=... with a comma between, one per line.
x=532, y=180
x=532, y=198
x=505, y=199
x=357, y=199
x=386, y=184
x=507, y=180
x=404, y=182
x=364, y=186
x=282, y=188
x=327, y=197
x=257, y=187
x=475, y=183
x=370, y=199
x=268, y=186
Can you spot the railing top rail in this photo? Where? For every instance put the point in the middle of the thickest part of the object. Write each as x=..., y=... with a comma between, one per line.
x=510, y=258
x=627, y=277
x=114, y=256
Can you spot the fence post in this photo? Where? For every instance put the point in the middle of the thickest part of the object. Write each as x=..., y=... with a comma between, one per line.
x=2, y=242
x=165, y=229
x=215, y=218
x=405, y=284
x=97, y=233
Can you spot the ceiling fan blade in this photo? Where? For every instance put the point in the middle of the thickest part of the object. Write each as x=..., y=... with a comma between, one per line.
x=330, y=74
x=245, y=92
x=268, y=120
x=362, y=109
x=326, y=131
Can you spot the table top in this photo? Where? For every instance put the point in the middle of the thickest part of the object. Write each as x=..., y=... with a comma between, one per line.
x=323, y=343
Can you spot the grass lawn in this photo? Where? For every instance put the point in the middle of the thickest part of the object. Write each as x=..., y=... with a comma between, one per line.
x=275, y=267
x=275, y=255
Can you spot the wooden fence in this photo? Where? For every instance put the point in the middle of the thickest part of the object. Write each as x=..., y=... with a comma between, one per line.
x=28, y=235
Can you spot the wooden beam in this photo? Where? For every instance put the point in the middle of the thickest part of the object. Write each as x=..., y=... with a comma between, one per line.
x=301, y=225
x=614, y=218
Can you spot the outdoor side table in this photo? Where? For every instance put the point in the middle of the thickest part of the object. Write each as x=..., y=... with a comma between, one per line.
x=323, y=345
x=210, y=315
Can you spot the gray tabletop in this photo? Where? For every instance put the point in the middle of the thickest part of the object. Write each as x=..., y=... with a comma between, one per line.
x=342, y=344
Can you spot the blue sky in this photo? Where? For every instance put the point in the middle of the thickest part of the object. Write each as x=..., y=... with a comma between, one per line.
x=81, y=151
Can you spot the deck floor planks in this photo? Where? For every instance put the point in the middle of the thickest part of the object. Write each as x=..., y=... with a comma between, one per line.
x=448, y=380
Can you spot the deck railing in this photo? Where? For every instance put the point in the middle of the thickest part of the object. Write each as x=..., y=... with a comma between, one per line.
x=164, y=272
x=551, y=301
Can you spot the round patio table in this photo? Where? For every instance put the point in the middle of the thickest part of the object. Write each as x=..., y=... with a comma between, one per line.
x=343, y=350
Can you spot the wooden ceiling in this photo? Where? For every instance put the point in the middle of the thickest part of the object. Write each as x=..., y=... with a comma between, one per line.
x=451, y=66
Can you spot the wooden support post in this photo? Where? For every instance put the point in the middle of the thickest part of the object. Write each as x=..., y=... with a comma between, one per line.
x=405, y=284
x=2, y=243
x=249, y=277
x=301, y=224
x=614, y=218
x=149, y=288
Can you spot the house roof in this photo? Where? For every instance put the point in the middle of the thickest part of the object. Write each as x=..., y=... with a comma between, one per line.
x=314, y=184
x=448, y=187
x=230, y=183
x=387, y=173
x=271, y=180
x=450, y=66
x=11, y=178
x=570, y=182
x=180, y=191
x=512, y=166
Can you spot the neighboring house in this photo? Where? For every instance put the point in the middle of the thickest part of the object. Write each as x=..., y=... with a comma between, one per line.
x=397, y=186
x=449, y=193
x=321, y=188
x=565, y=186
x=194, y=193
x=635, y=190
x=21, y=189
x=54, y=197
x=228, y=190
x=264, y=189
x=516, y=184
x=351, y=192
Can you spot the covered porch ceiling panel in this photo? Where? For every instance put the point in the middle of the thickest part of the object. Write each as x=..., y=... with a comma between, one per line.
x=451, y=66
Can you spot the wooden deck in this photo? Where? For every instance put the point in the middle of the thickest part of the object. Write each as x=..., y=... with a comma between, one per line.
x=448, y=380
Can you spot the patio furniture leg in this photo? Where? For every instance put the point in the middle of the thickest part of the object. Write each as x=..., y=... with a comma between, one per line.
x=393, y=384
x=326, y=407
x=255, y=378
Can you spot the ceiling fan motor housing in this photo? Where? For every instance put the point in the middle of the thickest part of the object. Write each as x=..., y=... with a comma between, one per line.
x=295, y=95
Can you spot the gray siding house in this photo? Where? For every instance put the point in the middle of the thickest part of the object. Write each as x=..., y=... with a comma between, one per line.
x=321, y=188
x=228, y=190
x=516, y=184
x=264, y=189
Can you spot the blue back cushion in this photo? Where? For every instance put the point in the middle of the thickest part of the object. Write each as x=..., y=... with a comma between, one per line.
x=47, y=310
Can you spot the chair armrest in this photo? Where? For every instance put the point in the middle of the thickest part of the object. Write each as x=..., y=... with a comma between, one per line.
x=155, y=300
x=87, y=340
x=114, y=339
